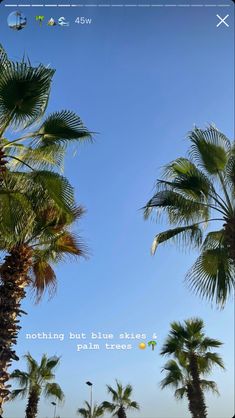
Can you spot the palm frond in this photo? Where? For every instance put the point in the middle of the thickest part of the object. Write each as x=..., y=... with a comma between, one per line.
x=57, y=188
x=209, y=343
x=44, y=278
x=178, y=208
x=53, y=390
x=83, y=412
x=194, y=327
x=180, y=393
x=229, y=172
x=20, y=377
x=18, y=393
x=113, y=392
x=127, y=391
x=213, y=359
x=209, y=385
x=3, y=59
x=32, y=365
x=108, y=406
x=42, y=157
x=16, y=216
x=185, y=177
x=174, y=376
x=210, y=149
x=24, y=93
x=133, y=405
x=213, y=275
x=61, y=127
x=188, y=235
x=214, y=239
x=69, y=244
x=98, y=411
x=52, y=362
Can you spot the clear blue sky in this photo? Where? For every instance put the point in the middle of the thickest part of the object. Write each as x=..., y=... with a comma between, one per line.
x=141, y=77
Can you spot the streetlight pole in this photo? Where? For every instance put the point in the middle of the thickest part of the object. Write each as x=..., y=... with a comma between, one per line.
x=91, y=396
x=54, y=404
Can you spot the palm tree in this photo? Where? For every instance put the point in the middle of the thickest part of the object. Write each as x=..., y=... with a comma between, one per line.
x=37, y=381
x=45, y=241
x=91, y=412
x=194, y=192
x=192, y=354
x=36, y=207
x=178, y=377
x=121, y=400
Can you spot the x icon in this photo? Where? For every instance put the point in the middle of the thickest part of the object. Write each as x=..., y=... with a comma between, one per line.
x=222, y=20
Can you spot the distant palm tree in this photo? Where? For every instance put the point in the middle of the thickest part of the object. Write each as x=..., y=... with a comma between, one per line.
x=91, y=412
x=37, y=381
x=192, y=354
x=193, y=193
x=121, y=400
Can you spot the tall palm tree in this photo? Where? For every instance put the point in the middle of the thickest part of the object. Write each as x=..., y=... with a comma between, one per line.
x=38, y=380
x=195, y=192
x=91, y=412
x=191, y=349
x=36, y=207
x=29, y=263
x=121, y=400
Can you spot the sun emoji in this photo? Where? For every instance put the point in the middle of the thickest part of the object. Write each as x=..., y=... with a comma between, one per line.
x=142, y=346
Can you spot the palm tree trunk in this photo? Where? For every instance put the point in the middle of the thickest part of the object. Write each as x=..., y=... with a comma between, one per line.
x=200, y=406
x=121, y=412
x=230, y=236
x=191, y=401
x=3, y=391
x=13, y=281
x=32, y=405
x=2, y=162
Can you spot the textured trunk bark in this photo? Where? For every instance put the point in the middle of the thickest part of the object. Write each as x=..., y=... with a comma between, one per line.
x=122, y=412
x=2, y=172
x=191, y=401
x=13, y=279
x=200, y=406
x=32, y=406
x=2, y=162
x=230, y=236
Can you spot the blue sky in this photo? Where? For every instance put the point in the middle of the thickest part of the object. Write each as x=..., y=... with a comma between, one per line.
x=141, y=77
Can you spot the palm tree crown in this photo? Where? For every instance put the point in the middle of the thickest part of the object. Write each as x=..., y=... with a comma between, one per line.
x=121, y=400
x=36, y=381
x=193, y=358
x=90, y=411
x=33, y=250
x=24, y=96
x=193, y=193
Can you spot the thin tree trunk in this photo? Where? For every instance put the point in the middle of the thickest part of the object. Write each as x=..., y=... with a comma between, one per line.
x=200, y=406
x=32, y=405
x=121, y=412
x=13, y=279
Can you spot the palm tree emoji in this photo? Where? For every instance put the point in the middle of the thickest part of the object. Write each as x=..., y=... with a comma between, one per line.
x=152, y=344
